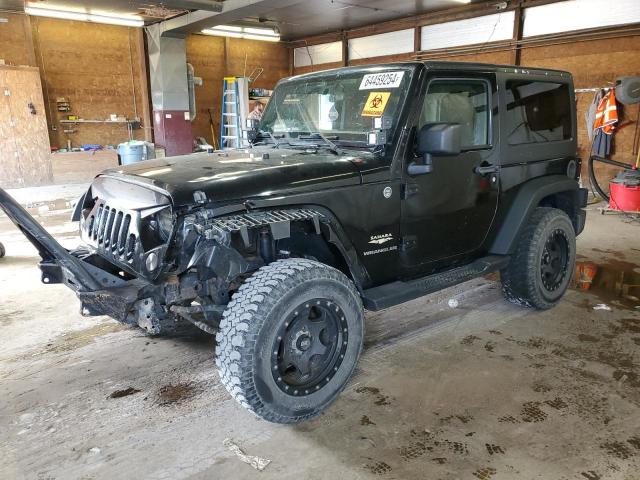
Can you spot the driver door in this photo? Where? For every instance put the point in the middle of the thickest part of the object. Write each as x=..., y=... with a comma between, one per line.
x=447, y=214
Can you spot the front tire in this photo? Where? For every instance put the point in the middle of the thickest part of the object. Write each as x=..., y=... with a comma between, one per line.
x=290, y=339
x=542, y=266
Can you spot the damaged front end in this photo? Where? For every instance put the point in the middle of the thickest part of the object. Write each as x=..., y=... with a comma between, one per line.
x=104, y=275
x=146, y=264
x=214, y=254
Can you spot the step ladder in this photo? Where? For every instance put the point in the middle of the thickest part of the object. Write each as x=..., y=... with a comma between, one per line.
x=231, y=131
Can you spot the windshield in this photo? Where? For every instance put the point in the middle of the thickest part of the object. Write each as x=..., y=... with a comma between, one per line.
x=341, y=108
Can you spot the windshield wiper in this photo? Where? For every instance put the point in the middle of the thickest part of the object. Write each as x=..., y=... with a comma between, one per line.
x=276, y=143
x=333, y=148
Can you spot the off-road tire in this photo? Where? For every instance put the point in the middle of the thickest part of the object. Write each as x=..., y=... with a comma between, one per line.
x=522, y=282
x=2, y=250
x=251, y=323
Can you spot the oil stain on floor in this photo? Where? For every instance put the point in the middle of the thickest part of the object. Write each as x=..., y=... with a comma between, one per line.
x=81, y=338
x=124, y=393
x=175, y=394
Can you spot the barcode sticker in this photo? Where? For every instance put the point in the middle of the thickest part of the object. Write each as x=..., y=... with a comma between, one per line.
x=381, y=80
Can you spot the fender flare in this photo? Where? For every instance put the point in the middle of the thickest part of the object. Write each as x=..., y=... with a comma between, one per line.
x=526, y=200
x=332, y=231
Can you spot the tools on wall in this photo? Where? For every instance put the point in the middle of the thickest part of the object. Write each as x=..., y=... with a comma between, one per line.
x=602, y=122
x=70, y=121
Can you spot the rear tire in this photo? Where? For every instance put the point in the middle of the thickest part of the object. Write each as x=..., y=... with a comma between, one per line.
x=542, y=266
x=290, y=339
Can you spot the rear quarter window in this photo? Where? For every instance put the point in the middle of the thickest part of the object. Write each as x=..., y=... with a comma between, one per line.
x=537, y=112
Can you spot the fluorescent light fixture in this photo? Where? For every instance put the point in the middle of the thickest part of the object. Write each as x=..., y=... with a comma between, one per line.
x=248, y=33
x=229, y=28
x=124, y=21
x=265, y=38
x=127, y=21
x=462, y=1
x=261, y=31
x=45, y=12
x=222, y=33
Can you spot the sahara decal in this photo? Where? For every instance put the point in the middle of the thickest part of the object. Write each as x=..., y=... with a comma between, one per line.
x=380, y=239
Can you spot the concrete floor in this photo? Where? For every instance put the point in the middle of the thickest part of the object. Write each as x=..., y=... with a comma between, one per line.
x=484, y=391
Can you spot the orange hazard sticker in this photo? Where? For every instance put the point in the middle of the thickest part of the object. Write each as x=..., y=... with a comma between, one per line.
x=376, y=103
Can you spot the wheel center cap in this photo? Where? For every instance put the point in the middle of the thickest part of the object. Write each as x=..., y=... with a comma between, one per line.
x=303, y=343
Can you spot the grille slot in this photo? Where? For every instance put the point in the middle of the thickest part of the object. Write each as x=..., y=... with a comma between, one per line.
x=124, y=230
x=131, y=247
x=106, y=238
x=98, y=225
x=113, y=232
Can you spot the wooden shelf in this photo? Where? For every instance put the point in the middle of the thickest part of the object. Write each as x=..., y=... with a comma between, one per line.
x=94, y=121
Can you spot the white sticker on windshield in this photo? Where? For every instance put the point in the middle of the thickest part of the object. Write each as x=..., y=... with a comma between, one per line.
x=381, y=80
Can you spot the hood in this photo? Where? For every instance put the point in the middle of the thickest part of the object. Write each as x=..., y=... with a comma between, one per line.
x=238, y=175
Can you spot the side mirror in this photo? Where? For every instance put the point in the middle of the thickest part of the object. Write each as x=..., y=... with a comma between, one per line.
x=435, y=139
x=252, y=135
x=253, y=127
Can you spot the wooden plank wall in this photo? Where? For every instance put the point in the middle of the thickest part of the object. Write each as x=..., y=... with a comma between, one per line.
x=15, y=40
x=97, y=68
x=215, y=57
x=90, y=65
x=24, y=143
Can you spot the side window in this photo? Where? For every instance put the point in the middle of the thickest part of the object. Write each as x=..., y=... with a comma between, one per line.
x=537, y=112
x=465, y=102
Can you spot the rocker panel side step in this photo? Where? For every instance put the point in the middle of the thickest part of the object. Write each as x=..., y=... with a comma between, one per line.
x=394, y=293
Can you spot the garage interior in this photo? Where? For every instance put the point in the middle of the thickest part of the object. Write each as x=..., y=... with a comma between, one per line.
x=454, y=385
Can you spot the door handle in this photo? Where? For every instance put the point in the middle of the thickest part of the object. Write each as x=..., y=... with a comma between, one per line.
x=486, y=170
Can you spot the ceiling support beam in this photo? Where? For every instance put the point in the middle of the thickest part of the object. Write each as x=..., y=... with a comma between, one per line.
x=518, y=23
x=345, y=50
x=208, y=5
x=232, y=11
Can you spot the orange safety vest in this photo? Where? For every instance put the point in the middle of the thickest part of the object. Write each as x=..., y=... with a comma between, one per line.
x=607, y=113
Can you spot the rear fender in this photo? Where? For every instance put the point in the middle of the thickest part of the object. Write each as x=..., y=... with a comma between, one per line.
x=531, y=195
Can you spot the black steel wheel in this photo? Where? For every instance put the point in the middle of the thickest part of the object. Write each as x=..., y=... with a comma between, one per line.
x=290, y=339
x=310, y=347
x=554, y=261
x=541, y=267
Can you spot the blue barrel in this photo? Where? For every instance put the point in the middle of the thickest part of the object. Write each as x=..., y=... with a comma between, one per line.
x=131, y=152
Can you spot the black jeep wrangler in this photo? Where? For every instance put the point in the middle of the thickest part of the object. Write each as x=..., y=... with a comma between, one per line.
x=363, y=188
